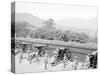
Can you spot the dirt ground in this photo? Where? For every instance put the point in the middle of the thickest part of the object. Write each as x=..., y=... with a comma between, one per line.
x=25, y=65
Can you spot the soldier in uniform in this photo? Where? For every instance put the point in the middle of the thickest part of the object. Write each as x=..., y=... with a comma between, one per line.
x=64, y=60
x=75, y=63
x=46, y=60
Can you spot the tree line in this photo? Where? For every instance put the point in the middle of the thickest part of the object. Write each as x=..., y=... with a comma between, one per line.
x=49, y=32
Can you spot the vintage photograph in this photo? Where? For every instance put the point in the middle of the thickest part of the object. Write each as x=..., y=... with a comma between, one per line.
x=53, y=37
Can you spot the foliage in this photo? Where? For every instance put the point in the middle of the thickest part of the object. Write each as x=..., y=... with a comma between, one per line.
x=49, y=32
x=48, y=24
x=94, y=39
x=21, y=29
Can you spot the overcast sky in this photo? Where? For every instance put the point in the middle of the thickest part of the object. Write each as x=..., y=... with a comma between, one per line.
x=57, y=12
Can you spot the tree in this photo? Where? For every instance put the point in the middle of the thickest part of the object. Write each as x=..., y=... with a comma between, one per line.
x=94, y=39
x=83, y=38
x=48, y=24
x=45, y=32
x=21, y=29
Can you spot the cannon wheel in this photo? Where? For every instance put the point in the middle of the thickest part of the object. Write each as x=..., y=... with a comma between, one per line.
x=68, y=55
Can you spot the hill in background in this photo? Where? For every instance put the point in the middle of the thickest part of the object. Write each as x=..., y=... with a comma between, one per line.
x=88, y=26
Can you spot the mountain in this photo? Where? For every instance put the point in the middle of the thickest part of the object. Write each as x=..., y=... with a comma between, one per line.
x=88, y=26
x=29, y=18
x=25, y=23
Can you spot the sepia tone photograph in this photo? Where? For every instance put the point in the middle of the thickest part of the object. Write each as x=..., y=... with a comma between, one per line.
x=49, y=37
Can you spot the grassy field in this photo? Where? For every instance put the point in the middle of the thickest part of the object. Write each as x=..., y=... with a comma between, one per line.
x=91, y=46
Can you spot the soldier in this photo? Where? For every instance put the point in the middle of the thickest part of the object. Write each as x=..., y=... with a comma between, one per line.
x=46, y=61
x=64, y=60
x=22, y=51
x=87, y=63
x=76, y=63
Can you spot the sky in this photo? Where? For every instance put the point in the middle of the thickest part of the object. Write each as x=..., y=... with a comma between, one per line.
x=55, y=11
